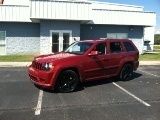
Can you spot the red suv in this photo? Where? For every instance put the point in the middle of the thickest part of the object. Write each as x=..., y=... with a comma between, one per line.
x=85, y=61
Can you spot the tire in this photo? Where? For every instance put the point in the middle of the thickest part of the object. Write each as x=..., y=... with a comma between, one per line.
x=67, y=81
x=126, y=72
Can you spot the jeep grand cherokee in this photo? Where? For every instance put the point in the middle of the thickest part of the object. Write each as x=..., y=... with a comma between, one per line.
x=85, y=61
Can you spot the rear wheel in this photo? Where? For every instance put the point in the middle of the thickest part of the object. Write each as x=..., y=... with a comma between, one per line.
x=126, y=72
x=67, y=81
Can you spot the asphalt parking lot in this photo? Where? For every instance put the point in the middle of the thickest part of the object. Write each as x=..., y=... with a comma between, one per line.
x=137, y=99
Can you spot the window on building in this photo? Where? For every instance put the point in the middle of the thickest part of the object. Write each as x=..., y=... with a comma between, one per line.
x=129, y=46
x=117, y=35
x=2, y=42
x=2, y=37
x=101, y=48
x=115, y=47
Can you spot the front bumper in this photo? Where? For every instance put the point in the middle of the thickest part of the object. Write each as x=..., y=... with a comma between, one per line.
x=41, y=78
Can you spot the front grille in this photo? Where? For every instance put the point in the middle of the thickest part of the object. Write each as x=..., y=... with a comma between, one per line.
x=37, y=65
x=33, y=78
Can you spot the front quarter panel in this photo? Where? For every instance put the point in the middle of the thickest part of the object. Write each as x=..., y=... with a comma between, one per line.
x=70, y=63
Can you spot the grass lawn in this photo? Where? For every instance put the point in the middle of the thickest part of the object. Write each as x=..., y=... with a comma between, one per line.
x=156, y=46
x=16, y=58
x=150, y=57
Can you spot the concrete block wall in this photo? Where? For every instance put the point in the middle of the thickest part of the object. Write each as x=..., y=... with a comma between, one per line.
x=22, y=45
x=21, y=38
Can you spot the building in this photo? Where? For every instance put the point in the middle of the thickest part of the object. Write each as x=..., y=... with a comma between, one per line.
x=46, y=26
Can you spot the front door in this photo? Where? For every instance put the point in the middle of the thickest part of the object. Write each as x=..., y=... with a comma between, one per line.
x=95, y=65
x=61, y=40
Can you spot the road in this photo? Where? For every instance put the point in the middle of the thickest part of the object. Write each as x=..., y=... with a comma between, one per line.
x=137, y=99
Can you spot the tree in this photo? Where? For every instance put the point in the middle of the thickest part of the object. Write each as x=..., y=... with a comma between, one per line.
x=157, y=39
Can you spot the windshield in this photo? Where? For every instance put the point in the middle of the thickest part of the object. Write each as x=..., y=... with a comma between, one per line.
x=78, y=47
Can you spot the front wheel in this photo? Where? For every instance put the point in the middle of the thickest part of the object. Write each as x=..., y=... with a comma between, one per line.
x=67, y=81
x=126, y=72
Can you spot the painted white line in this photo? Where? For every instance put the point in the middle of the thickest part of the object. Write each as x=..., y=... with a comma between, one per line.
x=149, y=73
x=129, y=93
x=39, y=104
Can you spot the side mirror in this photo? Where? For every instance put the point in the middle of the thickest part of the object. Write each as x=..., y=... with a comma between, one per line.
x=93, y=53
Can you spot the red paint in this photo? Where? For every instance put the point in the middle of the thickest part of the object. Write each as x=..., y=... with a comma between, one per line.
x=90, y=65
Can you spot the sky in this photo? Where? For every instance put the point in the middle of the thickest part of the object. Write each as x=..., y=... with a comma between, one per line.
x=149, y=5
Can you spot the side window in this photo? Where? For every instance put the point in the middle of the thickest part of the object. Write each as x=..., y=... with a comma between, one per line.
x=129, y=46
x=115, y=47
x=101, y=48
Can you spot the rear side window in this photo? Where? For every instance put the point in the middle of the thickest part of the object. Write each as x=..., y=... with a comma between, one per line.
x=115, y=47
x=129, y=46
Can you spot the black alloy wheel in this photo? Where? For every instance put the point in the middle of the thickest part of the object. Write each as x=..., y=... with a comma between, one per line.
x=67, y=81
x=126, y=72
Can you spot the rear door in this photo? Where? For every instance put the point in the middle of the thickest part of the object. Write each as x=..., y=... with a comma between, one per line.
x=117, y=54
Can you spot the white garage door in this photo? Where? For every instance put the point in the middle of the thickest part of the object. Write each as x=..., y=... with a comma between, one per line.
x=117, y=35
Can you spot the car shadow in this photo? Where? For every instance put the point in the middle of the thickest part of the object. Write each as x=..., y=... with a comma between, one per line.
x=109, y=80
x=81, y=86
x=135, y=75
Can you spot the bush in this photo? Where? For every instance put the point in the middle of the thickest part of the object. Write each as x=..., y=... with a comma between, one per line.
x=157, y=39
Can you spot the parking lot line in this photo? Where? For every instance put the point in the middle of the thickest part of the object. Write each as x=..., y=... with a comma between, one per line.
x=149, y=73
x=39, y=103
x=129, y=93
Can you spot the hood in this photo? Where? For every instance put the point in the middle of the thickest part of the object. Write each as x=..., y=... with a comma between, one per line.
x=53, y=57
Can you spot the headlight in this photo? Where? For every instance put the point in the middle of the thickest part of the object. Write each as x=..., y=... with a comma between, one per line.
x=47, y=66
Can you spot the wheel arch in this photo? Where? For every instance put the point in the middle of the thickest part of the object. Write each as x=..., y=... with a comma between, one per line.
x=73, y=68
x=127, y=62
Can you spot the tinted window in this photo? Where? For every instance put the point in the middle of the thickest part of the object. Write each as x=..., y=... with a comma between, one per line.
x=129, y=46
x=101, y=48
x=115, y=47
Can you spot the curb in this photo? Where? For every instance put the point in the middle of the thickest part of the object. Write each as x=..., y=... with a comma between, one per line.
x=14, y=64
x=25, y=64
x=149, y=62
